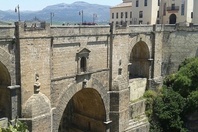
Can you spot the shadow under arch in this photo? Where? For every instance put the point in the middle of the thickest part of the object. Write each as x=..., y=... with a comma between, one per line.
x=139, y=61
x=84, y=112
x=5, y=81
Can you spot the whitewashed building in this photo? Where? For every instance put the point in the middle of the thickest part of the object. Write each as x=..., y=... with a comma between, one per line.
x=154, y=12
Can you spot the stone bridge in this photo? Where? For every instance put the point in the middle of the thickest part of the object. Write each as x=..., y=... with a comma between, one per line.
x=86, y=78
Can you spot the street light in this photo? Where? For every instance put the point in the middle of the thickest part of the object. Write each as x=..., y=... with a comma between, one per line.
x=17, y=10
x=94, y=16
x=51, y=15
x=81, y=13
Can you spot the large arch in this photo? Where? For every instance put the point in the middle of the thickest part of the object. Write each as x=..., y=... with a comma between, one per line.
x=172, y=19
x=139, y=61
x=70, y=91
x=84, y=112
x=5, y=81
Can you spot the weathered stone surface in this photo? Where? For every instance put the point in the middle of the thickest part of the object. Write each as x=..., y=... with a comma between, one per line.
x=52, y=53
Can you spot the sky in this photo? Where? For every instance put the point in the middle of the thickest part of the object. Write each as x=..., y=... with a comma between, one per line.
x=35, y=5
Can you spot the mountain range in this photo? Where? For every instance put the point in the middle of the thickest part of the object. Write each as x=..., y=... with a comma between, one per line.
x=63, y=13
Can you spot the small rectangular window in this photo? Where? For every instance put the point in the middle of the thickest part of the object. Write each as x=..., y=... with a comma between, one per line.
x=140, y=22
x=157, y=14
x=117, y=15
x=145, y=2
x=131, y=14
x=164, y=10
x=137, y=3
x=191, y=14
x=158, y=2
x=141, y=14
x=121, y=14
x=182, y=9
x=126, y=14
x=112, y=15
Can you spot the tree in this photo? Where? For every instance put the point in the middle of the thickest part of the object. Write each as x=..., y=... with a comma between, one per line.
x=185, y=80
x=168, y=108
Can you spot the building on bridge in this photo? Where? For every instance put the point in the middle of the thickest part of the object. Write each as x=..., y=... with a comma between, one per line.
x=153, y=12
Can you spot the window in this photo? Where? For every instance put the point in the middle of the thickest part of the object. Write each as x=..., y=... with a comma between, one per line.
x=83, y=64
x=121, y=22
x=191, y=14
x=117, y=15
x=121, y=14
x=141, y=14
x=145, y=2
x=137, y=3
x=182, y=9
x=140, y=22
x=157, y=14
x=82, y=61
x=158, y=2
x=112, y=15
x=126, y=14
x=164, y=11
x=131, y=14
x=173, y=7
x=130, y=22
x=158, y=21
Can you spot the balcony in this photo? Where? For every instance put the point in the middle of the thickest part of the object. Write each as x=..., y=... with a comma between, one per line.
x=173, y=8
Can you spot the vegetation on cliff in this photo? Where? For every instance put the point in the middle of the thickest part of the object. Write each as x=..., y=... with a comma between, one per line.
x=169, y=107
x=16, y=126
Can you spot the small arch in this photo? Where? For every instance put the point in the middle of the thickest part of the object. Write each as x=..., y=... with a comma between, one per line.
x=83, y=64
x=139, y=64
x=172, y=19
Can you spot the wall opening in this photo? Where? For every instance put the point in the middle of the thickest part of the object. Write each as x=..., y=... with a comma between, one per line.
x=172, y=19
x=5, y=81
x=84, y=112
x=83, y=64
x=139, y=64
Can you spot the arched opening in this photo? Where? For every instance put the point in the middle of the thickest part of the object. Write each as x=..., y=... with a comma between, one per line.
x=84, y=112
x=139, y=64
x=172, y=19
x=5, y=81
x=83, y=64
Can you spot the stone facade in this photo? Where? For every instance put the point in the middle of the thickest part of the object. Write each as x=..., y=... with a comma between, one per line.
x=86, y=78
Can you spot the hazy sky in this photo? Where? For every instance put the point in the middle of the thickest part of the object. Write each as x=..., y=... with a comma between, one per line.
x=40, y=4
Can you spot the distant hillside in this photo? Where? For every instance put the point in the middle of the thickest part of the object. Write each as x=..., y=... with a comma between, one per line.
x=63, y=13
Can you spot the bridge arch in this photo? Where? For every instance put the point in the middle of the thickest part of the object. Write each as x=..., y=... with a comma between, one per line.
x=71, y=98
x=85, y=111
x=139, y=61
x=5, y=81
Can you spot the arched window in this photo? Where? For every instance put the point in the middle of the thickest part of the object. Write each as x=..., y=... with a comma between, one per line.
x=83, y=64
x=82, y=61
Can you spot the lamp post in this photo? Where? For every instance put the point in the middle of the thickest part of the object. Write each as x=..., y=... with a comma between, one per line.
x=18, y=11
x=51, y=16
x=81, y=13
x=94, y=16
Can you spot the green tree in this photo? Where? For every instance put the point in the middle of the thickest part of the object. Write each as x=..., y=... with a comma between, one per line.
x=167, y=109
x=185, y=80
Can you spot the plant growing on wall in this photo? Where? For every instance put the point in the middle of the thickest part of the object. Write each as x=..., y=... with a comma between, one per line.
x=18, y=126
